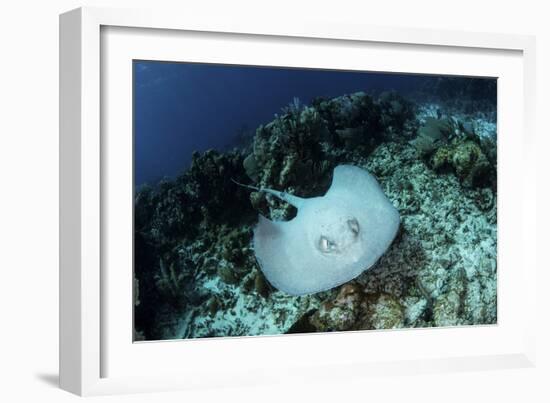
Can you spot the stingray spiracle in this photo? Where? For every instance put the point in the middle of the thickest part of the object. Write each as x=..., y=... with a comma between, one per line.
x=341, y=236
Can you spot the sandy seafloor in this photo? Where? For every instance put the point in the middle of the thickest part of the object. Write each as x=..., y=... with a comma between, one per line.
x=440, y=270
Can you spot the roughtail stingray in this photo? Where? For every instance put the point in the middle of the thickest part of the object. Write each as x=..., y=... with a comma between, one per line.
x=332, y=239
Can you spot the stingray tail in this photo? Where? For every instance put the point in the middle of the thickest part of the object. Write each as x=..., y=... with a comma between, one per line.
x=257, y=189
x=291, y=199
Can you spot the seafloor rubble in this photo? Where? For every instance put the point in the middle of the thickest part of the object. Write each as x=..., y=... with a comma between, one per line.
x=195, y=270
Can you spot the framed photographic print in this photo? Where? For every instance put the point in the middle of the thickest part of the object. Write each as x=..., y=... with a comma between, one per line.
x=233, y=200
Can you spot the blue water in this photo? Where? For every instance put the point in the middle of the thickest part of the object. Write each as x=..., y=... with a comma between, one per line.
x=182, y=107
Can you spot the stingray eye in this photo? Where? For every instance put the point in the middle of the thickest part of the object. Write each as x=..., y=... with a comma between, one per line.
x=353, y=226
x=326, y=245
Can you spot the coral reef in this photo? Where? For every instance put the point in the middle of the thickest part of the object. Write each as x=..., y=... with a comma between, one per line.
x=466, y=159
x=288, y=153
x=339, y=313
x=195, y=270
x=431, y=135
x=452, y=145
x=396, y=111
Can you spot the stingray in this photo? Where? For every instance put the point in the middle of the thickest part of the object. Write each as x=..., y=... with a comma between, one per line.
x=332, y=239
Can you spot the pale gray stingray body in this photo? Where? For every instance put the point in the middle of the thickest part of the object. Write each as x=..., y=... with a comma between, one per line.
x=332, y=239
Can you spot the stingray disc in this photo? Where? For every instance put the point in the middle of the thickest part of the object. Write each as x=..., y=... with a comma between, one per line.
x=332, y=239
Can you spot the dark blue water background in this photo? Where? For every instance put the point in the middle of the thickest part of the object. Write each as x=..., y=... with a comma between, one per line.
x=183, y=107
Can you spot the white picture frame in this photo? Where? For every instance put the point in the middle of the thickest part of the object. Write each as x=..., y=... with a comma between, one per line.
x=93, y=349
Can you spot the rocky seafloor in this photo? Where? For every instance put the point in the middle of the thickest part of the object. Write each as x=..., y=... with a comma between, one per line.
x=195, y=270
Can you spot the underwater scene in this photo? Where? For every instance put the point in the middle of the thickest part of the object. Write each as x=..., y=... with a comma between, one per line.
x=273, y=200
